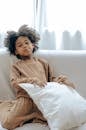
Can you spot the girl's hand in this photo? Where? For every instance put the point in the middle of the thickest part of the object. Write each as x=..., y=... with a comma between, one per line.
x=61, y=79
x=41, y=83
x=64, y=80
x=37, y=82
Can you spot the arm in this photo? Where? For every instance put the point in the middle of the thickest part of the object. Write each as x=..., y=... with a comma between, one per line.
x=51, y=78
x=16, y=78
x=48, y=70
x=64, y=80
x=60, y=79
x=19, y=121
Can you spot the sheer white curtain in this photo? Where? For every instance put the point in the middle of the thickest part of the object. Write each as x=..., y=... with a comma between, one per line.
x=14, y=13
x=41, y=24
x=62, y=24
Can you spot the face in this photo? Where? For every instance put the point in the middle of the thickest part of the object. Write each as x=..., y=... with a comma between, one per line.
x=24, y=47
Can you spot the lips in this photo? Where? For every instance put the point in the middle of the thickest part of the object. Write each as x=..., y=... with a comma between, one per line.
x=26, y=50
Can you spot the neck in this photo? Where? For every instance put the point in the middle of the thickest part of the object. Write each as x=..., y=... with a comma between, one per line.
x=26, y=57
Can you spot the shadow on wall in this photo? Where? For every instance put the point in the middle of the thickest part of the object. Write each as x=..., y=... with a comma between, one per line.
x=74, y=42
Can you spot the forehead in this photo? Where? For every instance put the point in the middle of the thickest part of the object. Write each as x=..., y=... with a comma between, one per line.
x=22, y=39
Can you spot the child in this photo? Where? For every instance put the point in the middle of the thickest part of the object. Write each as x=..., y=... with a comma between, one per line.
x=28, y=69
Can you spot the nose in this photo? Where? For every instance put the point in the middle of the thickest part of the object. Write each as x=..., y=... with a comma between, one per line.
x=24, y=46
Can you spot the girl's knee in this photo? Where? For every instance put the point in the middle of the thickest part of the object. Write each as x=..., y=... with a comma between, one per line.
x=7, y=124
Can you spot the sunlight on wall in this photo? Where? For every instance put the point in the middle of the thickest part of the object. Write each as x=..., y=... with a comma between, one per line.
x=66, y=15
x=14, y=13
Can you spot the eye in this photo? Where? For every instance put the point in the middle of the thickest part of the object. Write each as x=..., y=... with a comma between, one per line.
x=26, y=43
x=19, y=45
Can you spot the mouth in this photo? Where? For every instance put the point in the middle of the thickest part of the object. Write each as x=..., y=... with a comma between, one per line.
x=27, y=51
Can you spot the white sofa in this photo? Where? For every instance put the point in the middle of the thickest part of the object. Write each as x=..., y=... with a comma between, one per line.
x=70, y=63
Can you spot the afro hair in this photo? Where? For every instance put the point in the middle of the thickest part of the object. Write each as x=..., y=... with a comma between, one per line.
x=24, y=30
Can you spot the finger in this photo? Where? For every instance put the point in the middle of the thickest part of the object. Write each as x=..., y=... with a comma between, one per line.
x=59, y=80
x=30, y=81
x=62, y=76
x=44, y=84
x=41, y=84
x=21, y=124
x=62, y=79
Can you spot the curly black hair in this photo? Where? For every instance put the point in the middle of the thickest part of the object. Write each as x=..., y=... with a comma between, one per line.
x=24, y=30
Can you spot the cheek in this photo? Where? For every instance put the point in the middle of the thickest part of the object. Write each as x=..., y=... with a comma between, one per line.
x=18, y=51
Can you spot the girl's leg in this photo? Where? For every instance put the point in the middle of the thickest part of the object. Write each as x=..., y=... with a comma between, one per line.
x=19, y=121
x=11, y=110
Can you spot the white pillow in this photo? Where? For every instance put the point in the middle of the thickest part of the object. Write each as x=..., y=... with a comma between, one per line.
x=62, y=106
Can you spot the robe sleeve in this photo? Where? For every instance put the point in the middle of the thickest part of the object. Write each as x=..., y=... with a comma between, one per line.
x=15, y=79
x=48, y=71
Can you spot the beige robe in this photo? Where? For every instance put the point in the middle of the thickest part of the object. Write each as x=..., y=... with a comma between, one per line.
x=21, y=72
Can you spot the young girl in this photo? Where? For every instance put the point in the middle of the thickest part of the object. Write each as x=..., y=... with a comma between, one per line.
x=28, y=69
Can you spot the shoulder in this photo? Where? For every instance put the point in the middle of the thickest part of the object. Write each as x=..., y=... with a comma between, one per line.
x=17, y=63
x=44, y=61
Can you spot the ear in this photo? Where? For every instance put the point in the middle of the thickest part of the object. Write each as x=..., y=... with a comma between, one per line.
x=33, y=45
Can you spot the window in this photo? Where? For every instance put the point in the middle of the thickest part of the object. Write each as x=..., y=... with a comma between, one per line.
x=13, y=14
x=67, y=17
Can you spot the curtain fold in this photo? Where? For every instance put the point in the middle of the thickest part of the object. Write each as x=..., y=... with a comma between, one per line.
x=48, y=38
x=61, y=24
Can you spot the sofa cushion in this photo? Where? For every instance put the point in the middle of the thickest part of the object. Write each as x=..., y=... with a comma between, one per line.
x=5, y=90
x=33, y=126
x=62, y=106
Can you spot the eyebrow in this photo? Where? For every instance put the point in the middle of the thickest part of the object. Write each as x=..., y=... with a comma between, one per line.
x=20, y=42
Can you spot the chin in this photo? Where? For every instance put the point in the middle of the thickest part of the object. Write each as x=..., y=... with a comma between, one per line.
x=27, y=54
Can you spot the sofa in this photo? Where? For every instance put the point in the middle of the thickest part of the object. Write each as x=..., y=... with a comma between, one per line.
x=69, y=63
